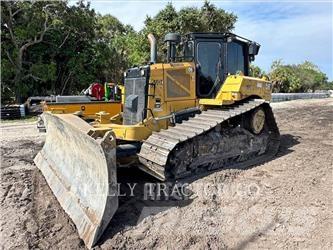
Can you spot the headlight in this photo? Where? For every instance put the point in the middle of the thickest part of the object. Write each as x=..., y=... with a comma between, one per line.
x=190, y=70
x=268, y=86
x=125, y=74
x=142, y=72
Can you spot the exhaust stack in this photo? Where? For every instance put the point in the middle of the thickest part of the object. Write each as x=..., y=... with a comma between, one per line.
x=153, y=48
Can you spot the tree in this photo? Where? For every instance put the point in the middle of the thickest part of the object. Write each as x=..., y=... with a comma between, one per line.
x=22, y=28
x=256, y=71
x=208, y=18
x=49, y=47
x=297, y=77
x=311, y=76
x=112, y=47
x=216, y=20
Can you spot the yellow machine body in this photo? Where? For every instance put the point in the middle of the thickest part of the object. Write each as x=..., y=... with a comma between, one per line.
x=237, y=88
x=173, y=85
x=87, y=110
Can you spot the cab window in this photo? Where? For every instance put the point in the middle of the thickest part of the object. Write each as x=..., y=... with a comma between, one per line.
x=209, y=66
x=235, y=58
x=188, y=51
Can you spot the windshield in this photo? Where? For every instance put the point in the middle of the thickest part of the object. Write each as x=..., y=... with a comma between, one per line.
x=209, y=67
x=236, y=58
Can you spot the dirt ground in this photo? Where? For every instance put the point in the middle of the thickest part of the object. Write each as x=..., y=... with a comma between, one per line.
x=284, y=203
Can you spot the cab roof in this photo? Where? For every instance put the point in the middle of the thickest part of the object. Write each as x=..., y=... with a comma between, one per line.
x=215, y=35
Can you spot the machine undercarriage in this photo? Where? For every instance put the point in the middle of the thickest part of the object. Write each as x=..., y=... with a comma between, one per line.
x=211, y=140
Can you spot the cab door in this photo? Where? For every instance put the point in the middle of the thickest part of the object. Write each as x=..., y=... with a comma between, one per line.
x=209, y=59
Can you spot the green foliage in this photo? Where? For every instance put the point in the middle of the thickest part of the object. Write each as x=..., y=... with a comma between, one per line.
x=256, y=71
x=327, y=86
x=39, y=40
x=296, y=78
x=208, y=18
x=49, y=47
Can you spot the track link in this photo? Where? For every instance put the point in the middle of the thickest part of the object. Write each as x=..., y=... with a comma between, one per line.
x=207, y=141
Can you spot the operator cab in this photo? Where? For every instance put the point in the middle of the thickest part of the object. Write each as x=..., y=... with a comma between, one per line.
x=216, y=55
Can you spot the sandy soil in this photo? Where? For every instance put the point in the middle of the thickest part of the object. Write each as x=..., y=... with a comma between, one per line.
x=285, y=203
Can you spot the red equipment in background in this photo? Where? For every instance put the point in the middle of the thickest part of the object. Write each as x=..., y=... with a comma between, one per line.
x=97, y=91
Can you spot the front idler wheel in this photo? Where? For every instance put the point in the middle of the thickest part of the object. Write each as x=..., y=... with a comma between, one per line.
x=257, y=120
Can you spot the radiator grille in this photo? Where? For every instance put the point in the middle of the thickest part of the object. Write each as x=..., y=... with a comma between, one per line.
x=135, y=100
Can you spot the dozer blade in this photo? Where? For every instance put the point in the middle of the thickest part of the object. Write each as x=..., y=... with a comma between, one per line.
x=81, y=172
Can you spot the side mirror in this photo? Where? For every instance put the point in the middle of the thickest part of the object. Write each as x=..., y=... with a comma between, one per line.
x=254, y=49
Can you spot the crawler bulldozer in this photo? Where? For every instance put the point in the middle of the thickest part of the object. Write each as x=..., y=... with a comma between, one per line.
x=195, y=111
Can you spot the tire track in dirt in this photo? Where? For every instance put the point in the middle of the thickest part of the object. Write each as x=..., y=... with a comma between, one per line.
x=31, y=216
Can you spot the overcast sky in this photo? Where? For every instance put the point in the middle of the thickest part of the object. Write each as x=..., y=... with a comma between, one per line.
x=294, y=31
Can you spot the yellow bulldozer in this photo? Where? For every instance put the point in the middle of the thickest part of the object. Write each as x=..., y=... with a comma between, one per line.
x=196, y=111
